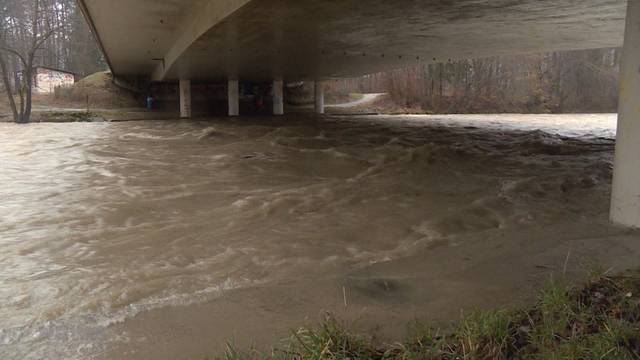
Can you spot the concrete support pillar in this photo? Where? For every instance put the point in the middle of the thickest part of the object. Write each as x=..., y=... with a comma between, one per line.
x=625, y=201
x=319, y=97
x=233, y=97
x=185, y=98
x=278, y=97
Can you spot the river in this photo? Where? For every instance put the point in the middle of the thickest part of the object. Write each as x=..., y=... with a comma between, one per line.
x=102, y=222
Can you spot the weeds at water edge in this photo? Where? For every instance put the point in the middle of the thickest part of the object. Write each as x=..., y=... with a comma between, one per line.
x=598, y=321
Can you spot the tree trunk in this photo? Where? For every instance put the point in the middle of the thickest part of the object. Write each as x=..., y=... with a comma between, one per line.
x=26, y=116
x=8, y=88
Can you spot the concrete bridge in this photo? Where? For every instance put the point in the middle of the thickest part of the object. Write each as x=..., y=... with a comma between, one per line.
x=315, y=40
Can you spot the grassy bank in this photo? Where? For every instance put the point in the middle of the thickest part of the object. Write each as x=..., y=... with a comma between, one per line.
x=600, y=320
x=97, y=91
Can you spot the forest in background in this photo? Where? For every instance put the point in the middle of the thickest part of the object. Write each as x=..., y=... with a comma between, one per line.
x=50, y=33
x=71, y=45
x=555, y=82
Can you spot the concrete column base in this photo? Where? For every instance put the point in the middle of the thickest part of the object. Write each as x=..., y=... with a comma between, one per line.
x=185, y=98
x=278, y=97
x=233, y=97
x=625, y=201
x=319, y=97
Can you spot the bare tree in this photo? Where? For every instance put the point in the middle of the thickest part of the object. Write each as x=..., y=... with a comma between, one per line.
x=24, y=28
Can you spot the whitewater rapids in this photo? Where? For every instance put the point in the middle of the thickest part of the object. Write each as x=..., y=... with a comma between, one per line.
x=101, y=223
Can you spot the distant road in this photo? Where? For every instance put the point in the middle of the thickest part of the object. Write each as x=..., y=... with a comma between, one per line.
x=366, y=99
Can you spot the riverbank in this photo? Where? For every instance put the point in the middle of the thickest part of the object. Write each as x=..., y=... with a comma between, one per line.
x=600, y=320
x=47, y=114
x=433, y=286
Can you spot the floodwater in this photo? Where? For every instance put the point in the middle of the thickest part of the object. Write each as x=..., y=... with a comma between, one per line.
x=100, y=222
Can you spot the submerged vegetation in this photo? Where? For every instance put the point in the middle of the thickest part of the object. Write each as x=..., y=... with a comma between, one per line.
x=599, y=321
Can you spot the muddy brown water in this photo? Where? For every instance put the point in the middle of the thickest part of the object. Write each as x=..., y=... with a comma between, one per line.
x=102, y=223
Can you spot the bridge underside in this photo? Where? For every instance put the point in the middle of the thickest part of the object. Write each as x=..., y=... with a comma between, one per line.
x=319, y=39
